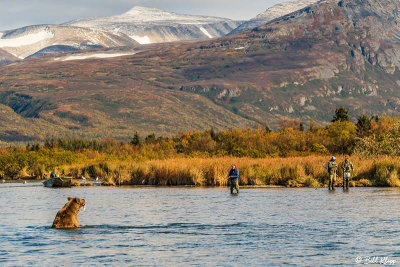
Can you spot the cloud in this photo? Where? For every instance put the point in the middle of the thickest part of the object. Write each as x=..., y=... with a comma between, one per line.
x=18, y=13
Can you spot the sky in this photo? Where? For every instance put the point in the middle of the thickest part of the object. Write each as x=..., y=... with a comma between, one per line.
x=19, y=13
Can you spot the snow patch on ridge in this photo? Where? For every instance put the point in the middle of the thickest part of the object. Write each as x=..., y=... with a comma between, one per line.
x=28, y=39
x=272, y=13
x=104, y=55
x=145, y=14
x=285, y=8
x=141, y=40
x=205, y=32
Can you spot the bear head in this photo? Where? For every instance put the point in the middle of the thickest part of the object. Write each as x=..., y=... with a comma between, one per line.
x=77, y=202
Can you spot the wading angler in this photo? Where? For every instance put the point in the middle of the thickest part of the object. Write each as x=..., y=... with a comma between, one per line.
x=234, y=179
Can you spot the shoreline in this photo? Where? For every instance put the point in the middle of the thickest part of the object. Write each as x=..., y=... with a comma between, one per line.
x=32, y=181
x=339, y=187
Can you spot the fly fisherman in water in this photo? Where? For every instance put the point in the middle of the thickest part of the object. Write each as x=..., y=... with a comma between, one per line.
x=234, y=179
x=332, y=169
x=347, y=168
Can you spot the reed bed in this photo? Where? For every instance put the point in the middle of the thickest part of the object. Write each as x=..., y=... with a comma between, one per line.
x=306, y=171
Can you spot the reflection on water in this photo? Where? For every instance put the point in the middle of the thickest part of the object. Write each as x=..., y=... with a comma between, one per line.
x=198, y=226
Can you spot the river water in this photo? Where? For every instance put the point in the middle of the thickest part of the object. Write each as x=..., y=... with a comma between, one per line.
x=200, y=227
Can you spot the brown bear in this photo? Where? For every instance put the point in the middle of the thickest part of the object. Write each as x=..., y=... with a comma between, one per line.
x=67, y=217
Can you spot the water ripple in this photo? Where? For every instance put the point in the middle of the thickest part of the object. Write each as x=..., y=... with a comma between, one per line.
x=200, y=227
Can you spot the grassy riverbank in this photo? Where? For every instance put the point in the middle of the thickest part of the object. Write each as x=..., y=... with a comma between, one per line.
x=301, y=171
x=291, y=156
x=290, y=172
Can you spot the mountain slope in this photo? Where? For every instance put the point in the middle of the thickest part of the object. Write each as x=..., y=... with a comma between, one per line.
x=272, y=13
x=333, y=53
x=302, y=65
x=26, y=41
x=6, y=58
x=151, y=25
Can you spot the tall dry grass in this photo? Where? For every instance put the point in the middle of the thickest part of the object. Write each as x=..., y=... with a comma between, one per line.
x=290, y=172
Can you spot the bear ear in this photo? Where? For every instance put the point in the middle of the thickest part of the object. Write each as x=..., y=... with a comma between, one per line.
x=69, y=198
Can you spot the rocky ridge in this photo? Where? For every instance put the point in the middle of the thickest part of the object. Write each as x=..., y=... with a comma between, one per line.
x=272, y=13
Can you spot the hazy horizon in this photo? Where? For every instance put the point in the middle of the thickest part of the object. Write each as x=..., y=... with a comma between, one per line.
x=19, y=13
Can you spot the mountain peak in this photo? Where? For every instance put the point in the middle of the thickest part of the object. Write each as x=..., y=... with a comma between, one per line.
x=140, y=11
x=153, y=25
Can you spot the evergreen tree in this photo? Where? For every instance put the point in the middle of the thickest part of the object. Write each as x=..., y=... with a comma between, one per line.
x=341, y=114
x=136, y=139
x=301, y=127
x=363, y=125
x=213, y=134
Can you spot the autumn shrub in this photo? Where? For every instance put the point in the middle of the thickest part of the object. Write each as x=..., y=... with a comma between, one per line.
x=311, y=182
x=384, y=174
x=95, y=170
x=72, y=171
x=362, y=183
x=393, y=179
x=319, y=148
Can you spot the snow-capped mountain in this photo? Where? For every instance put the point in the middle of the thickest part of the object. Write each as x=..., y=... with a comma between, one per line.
x=274, y=12
x=45, y=39
x=151, y=25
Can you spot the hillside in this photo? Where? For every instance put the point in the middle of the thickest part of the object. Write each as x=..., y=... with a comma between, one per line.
x=6, y=58
x=303, y=65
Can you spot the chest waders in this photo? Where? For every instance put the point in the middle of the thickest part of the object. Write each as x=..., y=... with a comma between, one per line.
x=347, y=168
x=235, y=186
x=332, y=168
